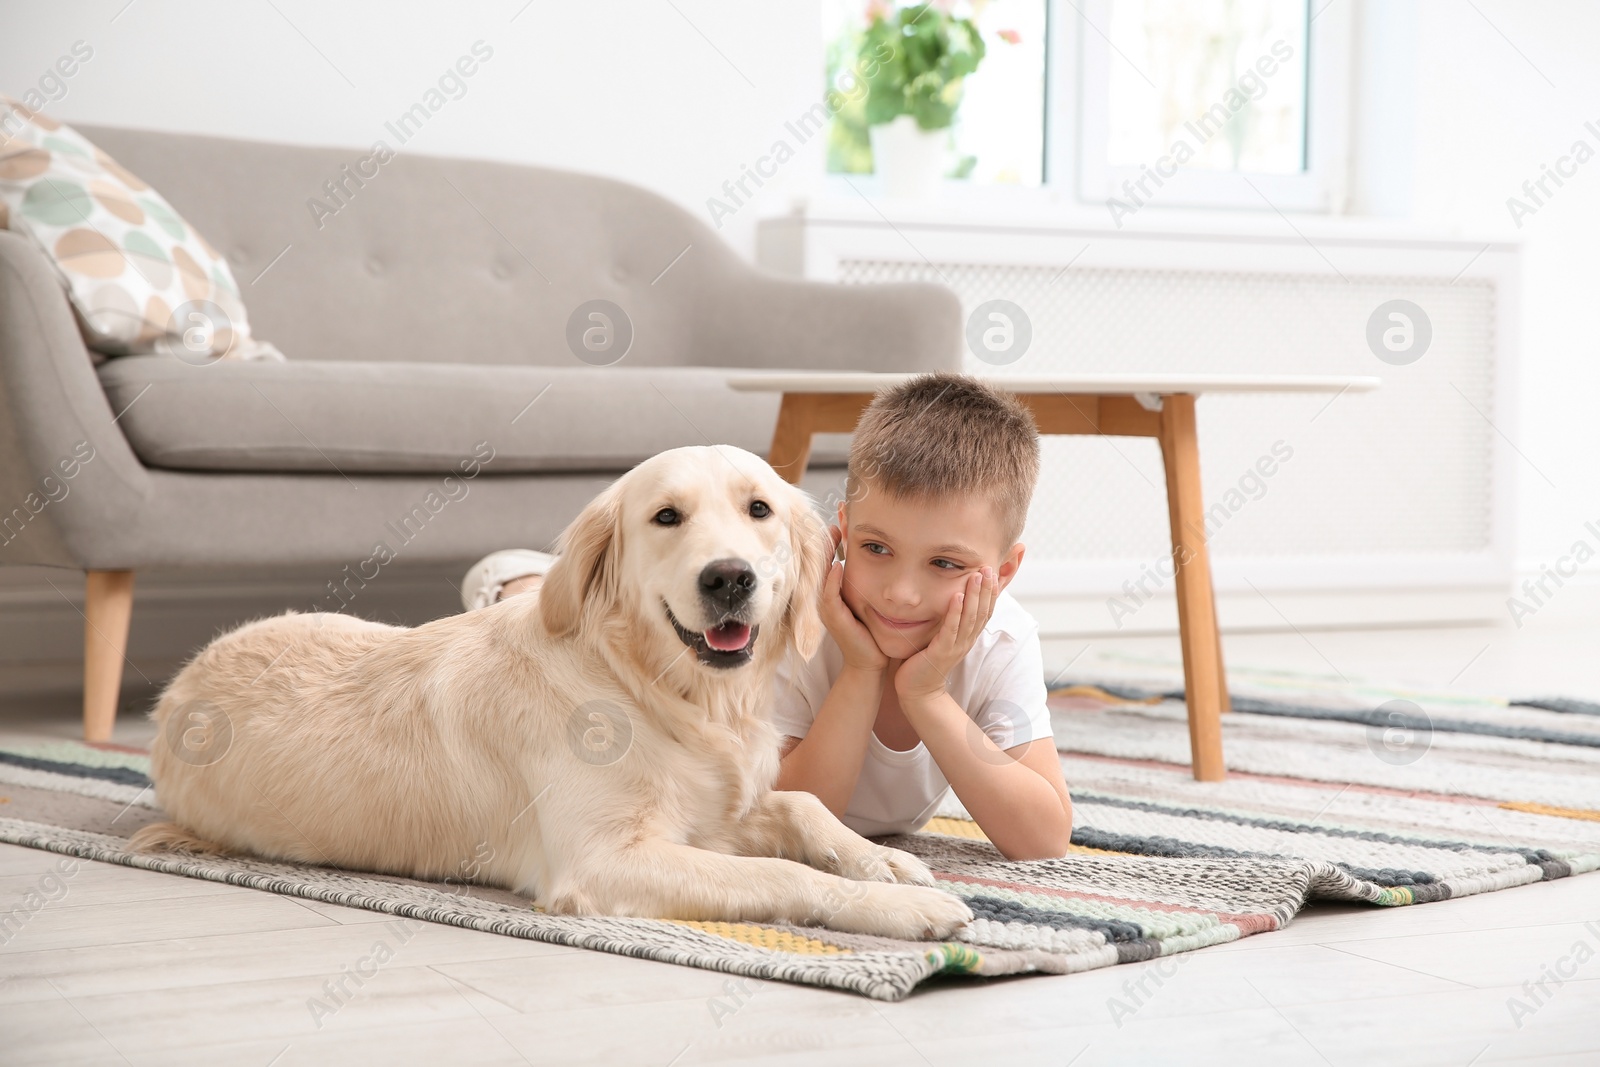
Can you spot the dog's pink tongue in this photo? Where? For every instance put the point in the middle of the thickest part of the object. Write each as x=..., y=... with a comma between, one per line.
x=729, y=637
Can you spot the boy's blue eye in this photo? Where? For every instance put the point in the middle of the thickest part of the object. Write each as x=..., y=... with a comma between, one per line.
x=952, y=563
x=870, y=545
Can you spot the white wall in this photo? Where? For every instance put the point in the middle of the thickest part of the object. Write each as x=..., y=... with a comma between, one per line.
x=679, y=96
x=675, y=96
x=1486, y=119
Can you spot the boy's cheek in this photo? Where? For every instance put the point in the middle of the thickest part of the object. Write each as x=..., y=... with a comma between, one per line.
x=850, y=594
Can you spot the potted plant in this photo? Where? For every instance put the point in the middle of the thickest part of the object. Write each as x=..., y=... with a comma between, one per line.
x=922, y=53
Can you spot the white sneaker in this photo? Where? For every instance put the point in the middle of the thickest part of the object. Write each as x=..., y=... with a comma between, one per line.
x=485, y=578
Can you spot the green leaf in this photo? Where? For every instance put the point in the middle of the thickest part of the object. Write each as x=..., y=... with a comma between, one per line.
x=932, y=114
x=931, y=54
x=884, y=107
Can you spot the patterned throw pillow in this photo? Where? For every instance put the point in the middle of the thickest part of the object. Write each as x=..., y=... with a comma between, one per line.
x=140, y=279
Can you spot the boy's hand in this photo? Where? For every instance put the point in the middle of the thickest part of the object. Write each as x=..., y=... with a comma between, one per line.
x=855, y=641
x=924, y=674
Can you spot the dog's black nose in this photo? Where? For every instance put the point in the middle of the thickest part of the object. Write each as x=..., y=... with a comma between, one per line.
x=727, y=583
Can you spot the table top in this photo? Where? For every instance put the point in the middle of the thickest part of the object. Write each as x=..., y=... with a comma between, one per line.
x=1113, y=384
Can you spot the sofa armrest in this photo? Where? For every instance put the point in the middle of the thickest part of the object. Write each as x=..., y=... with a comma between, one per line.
x=67, y=475
x=749, y=317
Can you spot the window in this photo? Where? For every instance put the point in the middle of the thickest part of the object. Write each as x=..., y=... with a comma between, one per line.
x=1129, y=103
x=1195, y=102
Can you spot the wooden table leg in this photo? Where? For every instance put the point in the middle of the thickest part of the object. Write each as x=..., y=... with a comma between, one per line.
x=1197, y=619
x=791, y=438
x=107, y=607
x=1225, y=699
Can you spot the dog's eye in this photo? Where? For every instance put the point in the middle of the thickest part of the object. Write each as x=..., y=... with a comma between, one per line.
x=760, y=509
x=666, y=517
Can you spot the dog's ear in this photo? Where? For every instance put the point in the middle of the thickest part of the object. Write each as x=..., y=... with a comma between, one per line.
x=585, y=570
x=812, y=549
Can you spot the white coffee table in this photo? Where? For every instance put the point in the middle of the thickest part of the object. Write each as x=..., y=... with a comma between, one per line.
x=1126, y=405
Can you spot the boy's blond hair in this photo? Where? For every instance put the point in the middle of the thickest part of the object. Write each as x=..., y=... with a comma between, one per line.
x=942, y=434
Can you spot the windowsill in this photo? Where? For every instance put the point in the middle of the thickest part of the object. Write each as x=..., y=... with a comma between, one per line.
x=1053, y=212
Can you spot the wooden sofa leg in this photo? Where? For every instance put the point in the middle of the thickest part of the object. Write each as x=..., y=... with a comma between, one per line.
x=108, y=605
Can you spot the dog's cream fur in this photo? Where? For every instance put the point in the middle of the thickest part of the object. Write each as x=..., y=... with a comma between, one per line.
x=566, y=744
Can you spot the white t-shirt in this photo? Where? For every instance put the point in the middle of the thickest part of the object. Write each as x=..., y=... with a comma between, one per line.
x=999, y=684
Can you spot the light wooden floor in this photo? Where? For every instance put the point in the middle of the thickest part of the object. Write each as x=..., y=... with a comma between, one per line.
x=135, y=967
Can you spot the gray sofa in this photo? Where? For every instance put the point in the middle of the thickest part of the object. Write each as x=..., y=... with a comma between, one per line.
x=425, y=317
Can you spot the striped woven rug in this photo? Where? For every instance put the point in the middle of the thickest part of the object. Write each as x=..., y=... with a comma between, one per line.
x=1334, y=793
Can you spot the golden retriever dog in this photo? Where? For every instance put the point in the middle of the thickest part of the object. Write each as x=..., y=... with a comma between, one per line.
x=600, y=746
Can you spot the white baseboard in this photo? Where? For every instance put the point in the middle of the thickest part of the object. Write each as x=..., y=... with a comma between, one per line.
x=1276, y=610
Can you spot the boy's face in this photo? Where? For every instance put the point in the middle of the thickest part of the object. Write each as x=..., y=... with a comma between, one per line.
x=907, y=559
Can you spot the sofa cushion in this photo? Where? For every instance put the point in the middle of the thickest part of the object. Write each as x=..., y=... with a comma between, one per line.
x=411, y=418
x=139, y=276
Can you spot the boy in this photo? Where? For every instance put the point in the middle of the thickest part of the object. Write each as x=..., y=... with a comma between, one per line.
x=930, y=676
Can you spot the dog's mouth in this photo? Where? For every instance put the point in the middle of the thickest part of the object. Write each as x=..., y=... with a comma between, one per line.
x=730, y=643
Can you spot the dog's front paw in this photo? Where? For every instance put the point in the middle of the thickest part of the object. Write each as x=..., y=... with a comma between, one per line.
x=865, y=862
x=941, y=913
x=877, y=863
x=908, y=912
x=907, y=868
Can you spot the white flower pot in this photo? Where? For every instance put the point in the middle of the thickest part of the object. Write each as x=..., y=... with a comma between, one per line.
x=909, y=160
